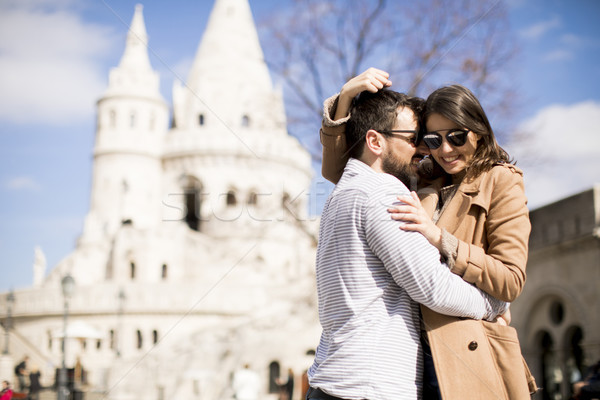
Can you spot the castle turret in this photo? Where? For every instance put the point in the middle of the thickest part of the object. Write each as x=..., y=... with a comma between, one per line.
x=132, y=121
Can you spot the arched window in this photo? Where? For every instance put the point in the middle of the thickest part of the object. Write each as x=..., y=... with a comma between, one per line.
x=139, y=339
x=285, y=202
x=574, y=367
x=132, y=270
x=112, y=118
x=201, y=119
x=551, y=375
x=192, y=201
x=231, y=200
x=154, y=336
x=192, y=208
x=245, y=121
x=164, y=271
x=109, y=269
x=132, y=120
x=111, y=336
x=557, y=312
x=152, y=121
x=252, y=198
x=274, y=371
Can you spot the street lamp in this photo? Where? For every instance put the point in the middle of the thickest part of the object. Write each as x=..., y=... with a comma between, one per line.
x=10, y=299
x=68, y=286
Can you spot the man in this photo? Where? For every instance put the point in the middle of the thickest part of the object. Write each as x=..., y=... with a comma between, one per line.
x=589, y=388
x=21, y=372
x=246, y=384
x=371, y=276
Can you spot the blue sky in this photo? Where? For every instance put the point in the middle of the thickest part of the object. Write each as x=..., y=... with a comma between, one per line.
x=55, y=56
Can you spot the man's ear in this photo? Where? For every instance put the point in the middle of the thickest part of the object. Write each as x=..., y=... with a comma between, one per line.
x=374, y=142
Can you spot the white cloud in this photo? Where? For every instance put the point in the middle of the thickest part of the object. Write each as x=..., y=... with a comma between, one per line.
x=559, y=151
x=570, y=39
x=23, y=183
x=538, y=30
x=558, y=55
x=49, y=62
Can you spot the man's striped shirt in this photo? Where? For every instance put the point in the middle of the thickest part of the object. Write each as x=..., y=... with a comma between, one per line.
x=371, y=276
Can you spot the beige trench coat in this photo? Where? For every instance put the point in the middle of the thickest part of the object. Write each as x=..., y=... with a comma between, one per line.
x=489, y=217
x=480, y=359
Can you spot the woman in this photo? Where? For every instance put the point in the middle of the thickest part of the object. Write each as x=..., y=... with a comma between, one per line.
x=6, y=392
x=482, y=230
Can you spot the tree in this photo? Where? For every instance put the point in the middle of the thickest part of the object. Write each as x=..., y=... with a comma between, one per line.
x=317, y=45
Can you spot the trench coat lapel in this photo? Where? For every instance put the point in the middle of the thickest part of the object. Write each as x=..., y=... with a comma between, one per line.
x=467, y=194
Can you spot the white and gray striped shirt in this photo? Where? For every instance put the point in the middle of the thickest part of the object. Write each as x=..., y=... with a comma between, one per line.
x=371, y=276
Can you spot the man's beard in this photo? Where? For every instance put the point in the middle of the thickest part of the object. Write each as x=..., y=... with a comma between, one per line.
x=403, y=171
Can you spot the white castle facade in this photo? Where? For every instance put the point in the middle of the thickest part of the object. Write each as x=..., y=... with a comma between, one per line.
x=197, y=253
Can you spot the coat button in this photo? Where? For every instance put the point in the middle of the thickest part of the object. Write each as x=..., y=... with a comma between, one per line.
x=473, y=345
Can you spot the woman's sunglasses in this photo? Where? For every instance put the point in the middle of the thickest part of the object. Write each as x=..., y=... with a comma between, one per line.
x=456, y=137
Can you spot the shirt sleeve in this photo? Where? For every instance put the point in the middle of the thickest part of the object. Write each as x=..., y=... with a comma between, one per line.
x=415, y=264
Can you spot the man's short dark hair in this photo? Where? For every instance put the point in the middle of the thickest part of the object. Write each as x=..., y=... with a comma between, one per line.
x=377, y=111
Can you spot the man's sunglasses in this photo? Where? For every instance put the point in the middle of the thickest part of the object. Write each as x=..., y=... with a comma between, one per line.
x=394, y=132
x=456, y=137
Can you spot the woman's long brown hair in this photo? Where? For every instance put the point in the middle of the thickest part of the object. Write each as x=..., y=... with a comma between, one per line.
x=459, y=105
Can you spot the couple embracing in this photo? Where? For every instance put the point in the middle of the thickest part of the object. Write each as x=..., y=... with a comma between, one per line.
x=414, y=288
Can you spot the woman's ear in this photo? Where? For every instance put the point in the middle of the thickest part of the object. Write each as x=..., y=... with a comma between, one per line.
x=374, y=142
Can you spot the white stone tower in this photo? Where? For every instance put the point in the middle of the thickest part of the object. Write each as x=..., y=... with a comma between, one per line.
x=132, y=121
x=197, y=256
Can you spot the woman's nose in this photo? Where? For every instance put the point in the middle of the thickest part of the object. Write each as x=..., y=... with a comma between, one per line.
x=446, y=147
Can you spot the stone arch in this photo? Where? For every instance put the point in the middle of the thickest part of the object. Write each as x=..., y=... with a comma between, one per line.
x=555, y=330
x=557, y=292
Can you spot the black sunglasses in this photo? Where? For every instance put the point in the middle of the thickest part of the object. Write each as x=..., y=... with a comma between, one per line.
x=411, y=140
x=456, y=137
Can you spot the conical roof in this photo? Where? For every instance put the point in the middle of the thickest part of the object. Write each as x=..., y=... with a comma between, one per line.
x=229, y=78
x=134, y=75
x=135, y=56
x=230, y=44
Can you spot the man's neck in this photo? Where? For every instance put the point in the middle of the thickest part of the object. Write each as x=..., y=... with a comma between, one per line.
x=372, y=161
